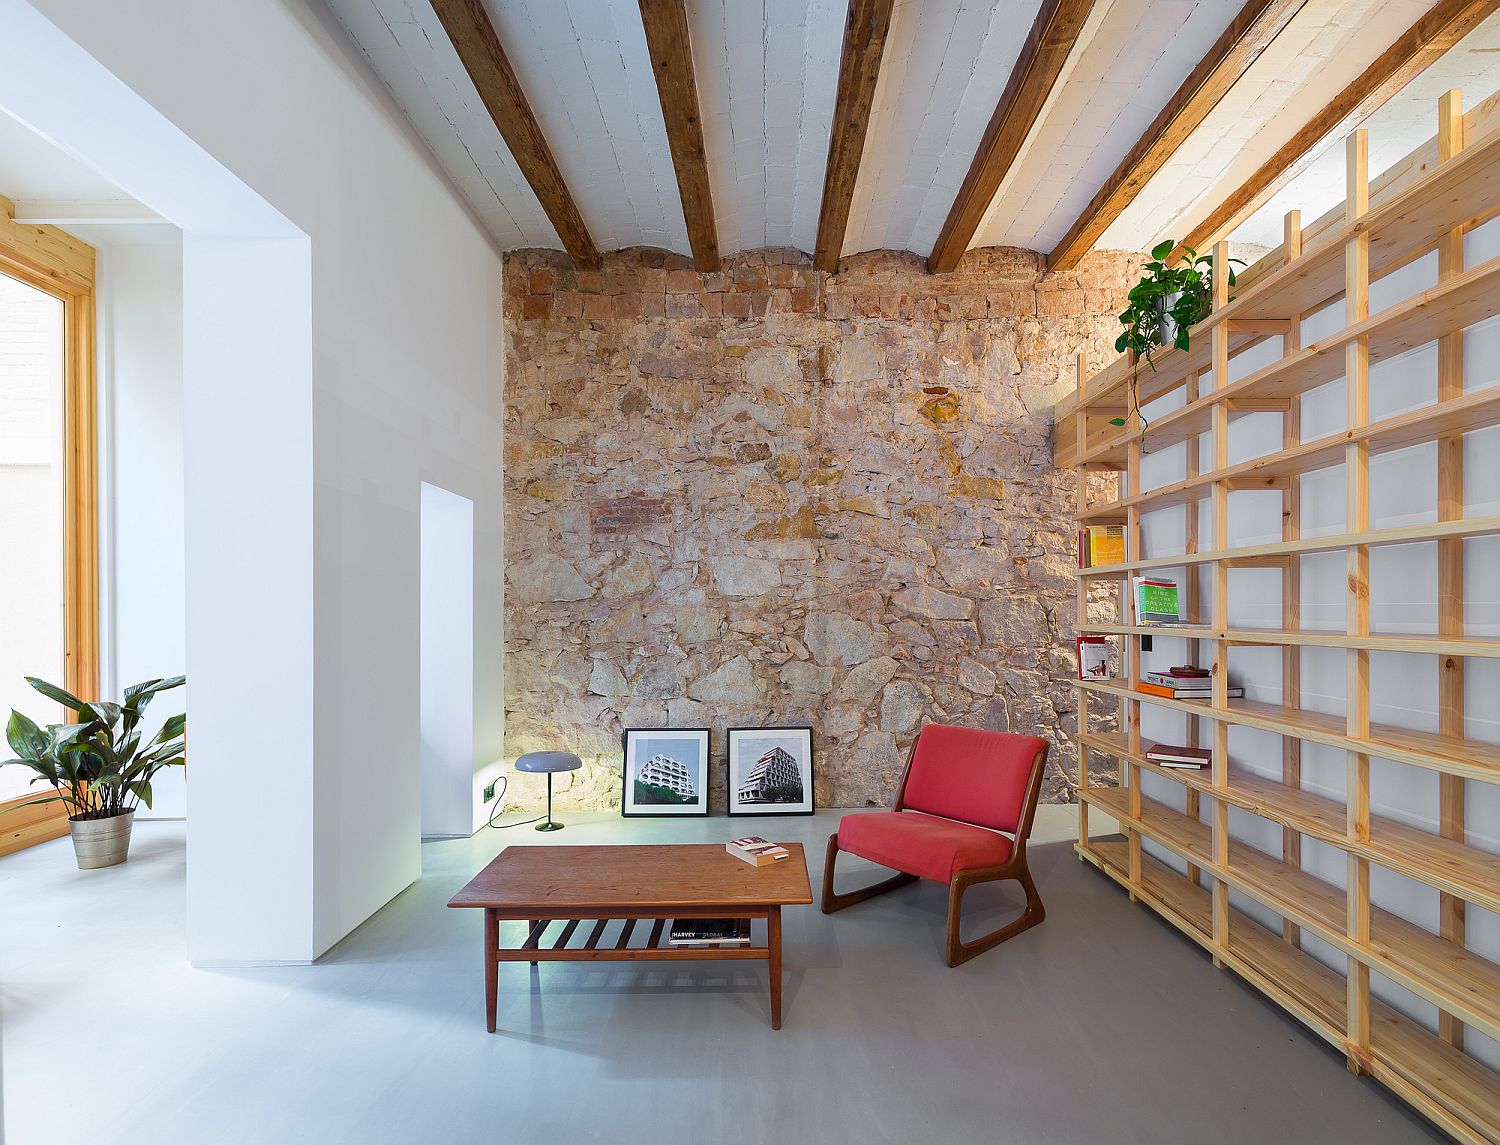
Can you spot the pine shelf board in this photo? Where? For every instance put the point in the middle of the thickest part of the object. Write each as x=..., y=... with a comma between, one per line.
x=1445, y=1084
x=1397, y=535
x=1452, y=195
x=1473, y=411
x=1446, y=974
x=1450, y=755
x=1452, y=305
x=1466, y=646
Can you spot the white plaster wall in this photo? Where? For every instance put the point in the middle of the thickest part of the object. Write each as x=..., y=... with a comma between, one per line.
x=405, y=303
x=139, y=302
x=1403, y=490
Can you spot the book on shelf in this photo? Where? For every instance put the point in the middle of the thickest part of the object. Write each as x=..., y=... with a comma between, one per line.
x=710, y=932
x=1167, y=692
x=1101, y=545
x=1184, y=758
x=1093, y=658
x=1155, y=601
x=756, y=851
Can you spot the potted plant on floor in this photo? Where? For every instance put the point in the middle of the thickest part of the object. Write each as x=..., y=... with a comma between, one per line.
x=99, y=767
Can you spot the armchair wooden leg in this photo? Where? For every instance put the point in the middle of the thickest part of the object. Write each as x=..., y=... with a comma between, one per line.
x=960, y=951
x=833, y=902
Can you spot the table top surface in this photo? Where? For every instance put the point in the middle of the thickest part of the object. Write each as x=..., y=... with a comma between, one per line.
x=685, y=876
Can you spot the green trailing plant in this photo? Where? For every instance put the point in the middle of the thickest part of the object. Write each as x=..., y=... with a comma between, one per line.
x=1182, y=293
x=98, y=766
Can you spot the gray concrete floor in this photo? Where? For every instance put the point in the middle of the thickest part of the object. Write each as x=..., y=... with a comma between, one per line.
x=1101, y=1025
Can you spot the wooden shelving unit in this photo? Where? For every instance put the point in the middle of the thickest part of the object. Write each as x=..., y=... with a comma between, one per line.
x=1426, y=203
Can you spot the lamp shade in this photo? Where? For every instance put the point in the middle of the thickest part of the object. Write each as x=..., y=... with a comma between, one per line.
x=544, y=761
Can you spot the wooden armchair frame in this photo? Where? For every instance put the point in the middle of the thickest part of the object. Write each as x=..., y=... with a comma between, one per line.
x=958, y=951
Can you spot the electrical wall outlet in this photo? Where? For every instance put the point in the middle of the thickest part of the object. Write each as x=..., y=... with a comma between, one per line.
x=489, y=792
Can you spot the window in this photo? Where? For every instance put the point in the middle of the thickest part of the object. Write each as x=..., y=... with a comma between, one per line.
x=49, y=612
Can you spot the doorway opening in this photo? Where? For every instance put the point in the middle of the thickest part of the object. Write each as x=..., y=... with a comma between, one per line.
x=447, y=663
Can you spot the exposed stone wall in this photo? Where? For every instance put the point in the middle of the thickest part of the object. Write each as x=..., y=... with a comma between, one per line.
x=768, y=495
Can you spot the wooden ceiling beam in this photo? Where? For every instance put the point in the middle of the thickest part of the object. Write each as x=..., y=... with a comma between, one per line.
x=468, y=26
x=865, y=32
x=671, y=51
x=1053, y=34
x=1418, y=47
x=1249, y=34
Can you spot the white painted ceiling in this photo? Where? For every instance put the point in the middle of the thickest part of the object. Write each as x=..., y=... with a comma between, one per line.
x=1328, y=44
x=1409, y=119
x=767, y=72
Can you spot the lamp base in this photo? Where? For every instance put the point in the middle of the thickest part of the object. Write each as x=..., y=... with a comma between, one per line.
x=549, y=826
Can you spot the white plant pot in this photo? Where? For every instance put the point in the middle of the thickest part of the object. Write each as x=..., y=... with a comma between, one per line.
x=101, y=842
x=1168, y=324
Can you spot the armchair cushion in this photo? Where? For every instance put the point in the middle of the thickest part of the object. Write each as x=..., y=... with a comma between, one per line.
x=971, y=775
x=922, y=845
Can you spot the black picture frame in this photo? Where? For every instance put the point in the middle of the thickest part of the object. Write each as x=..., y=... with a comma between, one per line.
x=741, y=740
x=671, y=767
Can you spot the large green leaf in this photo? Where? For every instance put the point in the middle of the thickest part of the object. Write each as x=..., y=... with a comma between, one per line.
x=171, y=728
x=144, y=687
x=106, y=713
x=26, y=739
x=1162, y=249
x=53, y=692
x=137, y=694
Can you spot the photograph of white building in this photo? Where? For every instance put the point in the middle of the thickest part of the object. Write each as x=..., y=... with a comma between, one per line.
x=664, y=771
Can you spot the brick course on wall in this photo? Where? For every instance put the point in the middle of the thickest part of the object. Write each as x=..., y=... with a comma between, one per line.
x=770, y=495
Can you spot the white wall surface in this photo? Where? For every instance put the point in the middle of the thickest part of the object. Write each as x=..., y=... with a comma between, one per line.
x=1403, y=490
x=139, y=301
x=405, y=351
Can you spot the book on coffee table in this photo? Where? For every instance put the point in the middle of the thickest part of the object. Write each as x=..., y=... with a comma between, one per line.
x=756, y=851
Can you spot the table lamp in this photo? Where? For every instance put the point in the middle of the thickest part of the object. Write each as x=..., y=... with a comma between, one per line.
x=548, y=762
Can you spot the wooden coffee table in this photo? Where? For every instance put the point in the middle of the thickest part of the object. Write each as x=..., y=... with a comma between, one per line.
x=576, y=886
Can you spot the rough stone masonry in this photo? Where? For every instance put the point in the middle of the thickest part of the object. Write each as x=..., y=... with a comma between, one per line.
x=769, y=495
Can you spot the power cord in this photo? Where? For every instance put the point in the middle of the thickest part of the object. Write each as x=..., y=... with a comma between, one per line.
x=499, y=806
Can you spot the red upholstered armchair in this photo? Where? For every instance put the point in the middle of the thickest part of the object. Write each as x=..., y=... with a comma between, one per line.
x=963, y=787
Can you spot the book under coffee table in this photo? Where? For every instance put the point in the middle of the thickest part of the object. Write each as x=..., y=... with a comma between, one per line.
x=585, y=888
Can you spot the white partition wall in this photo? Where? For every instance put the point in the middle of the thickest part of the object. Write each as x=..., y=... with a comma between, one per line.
x=341, y=342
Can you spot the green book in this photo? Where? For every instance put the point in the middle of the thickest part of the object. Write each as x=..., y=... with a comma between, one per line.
x=1156, y=602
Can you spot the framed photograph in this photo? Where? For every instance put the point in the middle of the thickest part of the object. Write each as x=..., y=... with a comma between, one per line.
x=666, y=772
x=770, y=771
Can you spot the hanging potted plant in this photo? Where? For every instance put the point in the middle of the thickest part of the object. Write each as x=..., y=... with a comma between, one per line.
x=98, y=766
x=1164, y=306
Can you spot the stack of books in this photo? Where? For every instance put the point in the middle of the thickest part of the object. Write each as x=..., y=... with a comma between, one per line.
x=710, y=932
x=756, y=851
x=1101, y=545
x=1179, y=758
x=1183, y=683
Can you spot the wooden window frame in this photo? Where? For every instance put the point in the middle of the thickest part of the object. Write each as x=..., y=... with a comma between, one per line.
x=56, y=263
